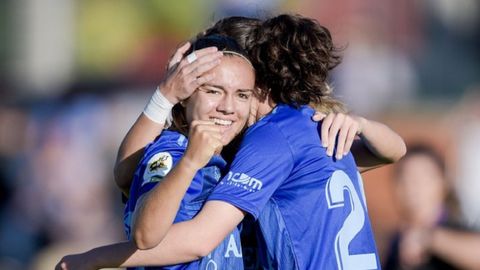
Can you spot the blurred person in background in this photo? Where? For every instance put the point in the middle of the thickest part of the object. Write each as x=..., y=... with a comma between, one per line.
x=49, y=197
x=431, y=235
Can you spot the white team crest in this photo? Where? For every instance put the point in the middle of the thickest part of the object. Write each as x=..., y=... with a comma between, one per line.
x=157, y=167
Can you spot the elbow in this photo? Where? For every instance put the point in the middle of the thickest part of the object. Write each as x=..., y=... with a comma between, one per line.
x=121, y=179
x=143, y=240
x=397, y=154
x=401, y=151
x=203, y=249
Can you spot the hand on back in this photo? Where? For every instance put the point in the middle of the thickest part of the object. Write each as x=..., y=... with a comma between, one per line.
x=345, y=127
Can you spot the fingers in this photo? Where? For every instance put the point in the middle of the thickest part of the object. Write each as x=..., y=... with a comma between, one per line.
x=352, y=132
x=202, y=80
x=318, y=116
x=338, y=130
x=178, y=55
x=207, y=127
x=195, y=73
x=327, y=122
x=199, y=55
x=183, y=78
x=342, y=137
x=198, y=70
x=203, y=64
x=333, y=131
x=205, y=140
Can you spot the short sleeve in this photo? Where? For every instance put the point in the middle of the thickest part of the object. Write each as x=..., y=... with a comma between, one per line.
x=157, y=166
x=261, y=165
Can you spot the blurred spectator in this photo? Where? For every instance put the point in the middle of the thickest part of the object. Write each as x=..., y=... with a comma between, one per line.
x=430, y=236
x=56, y=181
x=379, y=38
x=374, y=75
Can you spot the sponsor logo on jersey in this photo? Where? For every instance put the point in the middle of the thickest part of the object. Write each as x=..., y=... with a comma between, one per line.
x=244, y=181
x=157, y=167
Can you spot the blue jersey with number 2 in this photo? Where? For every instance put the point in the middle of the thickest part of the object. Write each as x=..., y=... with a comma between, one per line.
x=311, y=208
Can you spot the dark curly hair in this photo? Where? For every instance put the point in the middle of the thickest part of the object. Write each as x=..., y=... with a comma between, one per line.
x=293, y=56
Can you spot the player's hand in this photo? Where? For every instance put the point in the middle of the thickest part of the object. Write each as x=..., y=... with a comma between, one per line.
x=345, y=127
x=184, y=76
x=204, y=141
x=75, y=262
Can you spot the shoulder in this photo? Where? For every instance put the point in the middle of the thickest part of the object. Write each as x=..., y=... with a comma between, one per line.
x=162, y=155
x=168, y=140
x=282, y=126
x=264, y=135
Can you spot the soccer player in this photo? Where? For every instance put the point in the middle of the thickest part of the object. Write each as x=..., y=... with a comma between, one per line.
x=216, y=113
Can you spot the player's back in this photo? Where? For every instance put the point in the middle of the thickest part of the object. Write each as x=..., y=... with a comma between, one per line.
x=316, y=218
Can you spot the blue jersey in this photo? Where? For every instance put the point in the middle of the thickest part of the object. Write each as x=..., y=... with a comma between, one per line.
x=159, y=158
x=311, y=208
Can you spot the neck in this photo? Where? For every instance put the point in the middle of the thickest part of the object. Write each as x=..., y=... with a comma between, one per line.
x=265, y=107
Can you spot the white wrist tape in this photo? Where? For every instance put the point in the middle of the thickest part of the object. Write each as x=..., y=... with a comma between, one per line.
x=159, y=109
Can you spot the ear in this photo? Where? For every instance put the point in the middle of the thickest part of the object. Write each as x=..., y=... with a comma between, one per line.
x=182, y=103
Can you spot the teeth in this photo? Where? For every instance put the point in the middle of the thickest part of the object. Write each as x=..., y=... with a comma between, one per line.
x=221, y=122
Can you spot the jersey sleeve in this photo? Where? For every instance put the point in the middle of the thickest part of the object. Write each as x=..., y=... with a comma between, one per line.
x=157, y=167
x=262, y=163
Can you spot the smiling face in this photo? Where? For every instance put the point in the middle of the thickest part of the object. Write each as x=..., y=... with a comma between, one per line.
x=226, y=99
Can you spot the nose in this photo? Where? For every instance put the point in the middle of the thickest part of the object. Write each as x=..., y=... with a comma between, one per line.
x=226, y=105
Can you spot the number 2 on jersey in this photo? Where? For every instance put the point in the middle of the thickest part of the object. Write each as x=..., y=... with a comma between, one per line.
x=336, y=185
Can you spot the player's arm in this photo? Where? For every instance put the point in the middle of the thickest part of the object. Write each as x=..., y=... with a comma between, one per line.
x=262, y=152
x=184, y=242
x=373, y=144
x=131, y=150
x=181, y=80
x=156, y=210
x=378, y=145
x=227, y=205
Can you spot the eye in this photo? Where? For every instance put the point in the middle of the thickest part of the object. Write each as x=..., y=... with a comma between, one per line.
x=245, y=96
x=212, y=91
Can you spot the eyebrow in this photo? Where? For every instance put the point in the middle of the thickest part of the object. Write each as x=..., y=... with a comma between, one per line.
x=223, y=88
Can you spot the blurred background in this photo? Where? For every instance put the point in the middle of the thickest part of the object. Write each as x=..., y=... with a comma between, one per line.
x=74, y=75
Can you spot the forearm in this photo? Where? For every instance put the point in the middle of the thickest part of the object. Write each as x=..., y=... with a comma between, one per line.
x=378, y=145
x=156, y=211
x=184, y=242
x=126, y=254
x=193, y=239
x=458, y=248
x=131, y=150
